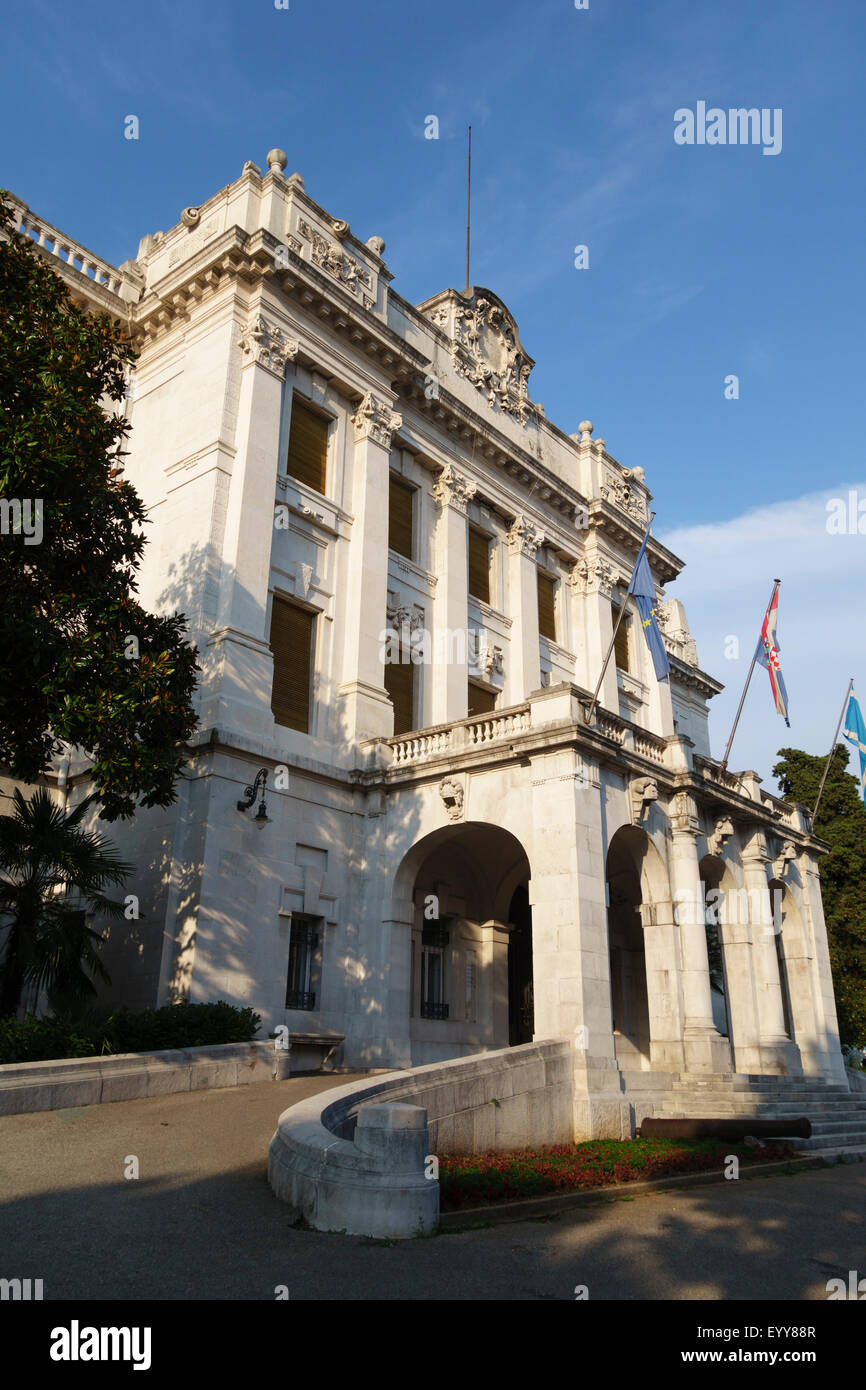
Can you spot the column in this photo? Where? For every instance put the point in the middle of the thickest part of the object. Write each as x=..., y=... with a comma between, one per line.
x=524, y=664
x=571, y=972
x=779, y=1055
x=451, y=493
x=822, y=979
x=704, y=1047
x=367, y=712
x=237, y=692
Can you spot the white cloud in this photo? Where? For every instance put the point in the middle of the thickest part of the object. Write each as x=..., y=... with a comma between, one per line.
x=726, y=585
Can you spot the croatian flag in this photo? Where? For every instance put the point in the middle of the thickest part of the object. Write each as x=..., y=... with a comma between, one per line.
x=855, y=732
x=643, y=589
x=768, y=655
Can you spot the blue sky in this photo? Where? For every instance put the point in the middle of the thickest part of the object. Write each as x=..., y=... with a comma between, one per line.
x=704, y=261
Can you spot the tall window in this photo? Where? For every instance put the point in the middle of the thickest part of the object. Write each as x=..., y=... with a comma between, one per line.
x=308, y=446
x=546, y=606
x=481, y=700
x=401, y=500
x=303, y=945
x=434, y=939
x=479, y=565
x=621, y=646
x=400, y=685
x=292, y=646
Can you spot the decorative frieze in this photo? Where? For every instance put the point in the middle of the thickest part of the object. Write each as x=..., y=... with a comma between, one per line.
x=452, y=490
x=267, y=345
x=333, y=259
x=374, y=419
x=524, y=537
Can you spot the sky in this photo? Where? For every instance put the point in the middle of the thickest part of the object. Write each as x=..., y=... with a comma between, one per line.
x=705, y=261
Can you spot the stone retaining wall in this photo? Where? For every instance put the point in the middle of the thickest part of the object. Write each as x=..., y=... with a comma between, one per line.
x=52, y=1085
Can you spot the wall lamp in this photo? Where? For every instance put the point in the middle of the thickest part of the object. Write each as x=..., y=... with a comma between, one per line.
x=261, y=818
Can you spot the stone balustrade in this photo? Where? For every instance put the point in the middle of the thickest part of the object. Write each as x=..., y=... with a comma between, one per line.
x=66, y=250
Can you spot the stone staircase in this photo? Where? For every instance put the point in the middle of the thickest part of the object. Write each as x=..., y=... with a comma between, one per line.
x=837, y=1116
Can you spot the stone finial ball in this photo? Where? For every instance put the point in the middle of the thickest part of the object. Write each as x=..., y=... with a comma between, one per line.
x=586, y=428
x=277, y=161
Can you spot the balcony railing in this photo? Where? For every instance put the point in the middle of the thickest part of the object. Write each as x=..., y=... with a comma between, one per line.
x=446, y=739
x=67, y=250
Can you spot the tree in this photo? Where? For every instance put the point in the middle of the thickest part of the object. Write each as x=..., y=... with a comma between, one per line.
x=83, y=663
x=842, y=822
x=52, y=874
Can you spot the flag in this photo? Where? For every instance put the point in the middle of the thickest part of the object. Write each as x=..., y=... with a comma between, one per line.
x=768, y=655
x=855, y=732
x=643, y=588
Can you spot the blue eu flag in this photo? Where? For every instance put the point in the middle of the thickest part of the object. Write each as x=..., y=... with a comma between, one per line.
x=644, y=590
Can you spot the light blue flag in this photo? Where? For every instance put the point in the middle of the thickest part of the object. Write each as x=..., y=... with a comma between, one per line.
x=855, y=732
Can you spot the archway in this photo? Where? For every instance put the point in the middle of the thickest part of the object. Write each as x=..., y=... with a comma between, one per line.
x=470, y=960
x=713, y=873
x=787, y=931
x=628, y=975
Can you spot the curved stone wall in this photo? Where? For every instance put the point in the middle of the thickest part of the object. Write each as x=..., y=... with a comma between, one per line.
x=342, y=1169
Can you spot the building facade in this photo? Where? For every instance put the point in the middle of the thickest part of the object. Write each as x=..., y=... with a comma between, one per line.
x=402, y=579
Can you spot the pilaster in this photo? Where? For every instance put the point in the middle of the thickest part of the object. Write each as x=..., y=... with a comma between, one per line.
x=451, y=493
x=524, y=664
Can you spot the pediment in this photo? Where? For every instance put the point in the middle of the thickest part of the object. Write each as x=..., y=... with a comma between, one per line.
x=485, y=346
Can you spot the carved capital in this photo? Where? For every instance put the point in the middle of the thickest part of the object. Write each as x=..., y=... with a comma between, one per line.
x=524, y=537
x=375, y=420
x=754, y=849
x=592, y=575
x=452, y=490
x=683, y=815
x=267, y=345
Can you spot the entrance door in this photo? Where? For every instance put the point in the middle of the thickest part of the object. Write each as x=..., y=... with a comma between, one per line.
x=521, y=1008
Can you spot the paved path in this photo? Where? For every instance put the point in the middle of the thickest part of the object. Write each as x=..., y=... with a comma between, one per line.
x=201, y=1222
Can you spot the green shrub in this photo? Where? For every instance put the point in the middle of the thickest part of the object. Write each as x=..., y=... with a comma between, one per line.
x=156, y=1030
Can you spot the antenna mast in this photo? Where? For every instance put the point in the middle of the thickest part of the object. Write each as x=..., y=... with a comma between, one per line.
x=468, y=197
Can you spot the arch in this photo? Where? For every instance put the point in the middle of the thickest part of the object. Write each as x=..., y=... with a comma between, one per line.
x=470, y=949
x=637, y=882
x=717, y=879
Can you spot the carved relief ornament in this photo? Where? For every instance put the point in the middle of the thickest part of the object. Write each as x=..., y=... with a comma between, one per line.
x=452, y=490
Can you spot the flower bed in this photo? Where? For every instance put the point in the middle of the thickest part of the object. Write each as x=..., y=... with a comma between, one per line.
x=468, y=1180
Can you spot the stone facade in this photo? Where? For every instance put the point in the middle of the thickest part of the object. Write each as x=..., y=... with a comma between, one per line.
x=473, y=882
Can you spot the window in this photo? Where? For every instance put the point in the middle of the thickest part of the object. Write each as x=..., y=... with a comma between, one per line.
x=434, y=939
x=479, y=565
x=292, y=646
x=546, y=606
x=400, y=685
x=308, y=446
x=621, y=645
x=401, y=503
x=481, y=700
x=303, y=945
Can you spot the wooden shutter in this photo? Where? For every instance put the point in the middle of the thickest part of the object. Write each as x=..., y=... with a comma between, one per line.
x=479, y=565
x=401, y=499
x=308, y=446
x=400, y=685
x=546, y=610
x=292, y=646
x=481, y=701
x=620, y=647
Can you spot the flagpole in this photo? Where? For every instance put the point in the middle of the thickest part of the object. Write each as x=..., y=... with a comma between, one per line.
x=832, y=749
x=724, y=762
x=594, y=700
x=468, y=202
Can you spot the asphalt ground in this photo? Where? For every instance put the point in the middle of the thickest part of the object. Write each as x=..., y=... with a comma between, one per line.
x=200, y=1222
